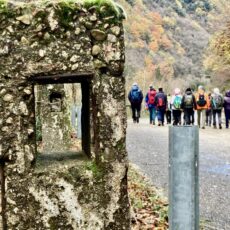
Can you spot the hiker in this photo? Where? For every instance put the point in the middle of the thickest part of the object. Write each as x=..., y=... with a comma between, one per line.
x=168, y=110
x=150, y=104
x=202, y=103
x=161, y=103
x=227, y=108
x=217, y=102
x=208, y=113
x=176, y=102
x=135, y=97
x=188, y=105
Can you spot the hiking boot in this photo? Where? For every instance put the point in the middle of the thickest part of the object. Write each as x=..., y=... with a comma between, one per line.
x=220, y=126
x=214, y=126
x=153, y=123
x=138, y=120
x=203, y=127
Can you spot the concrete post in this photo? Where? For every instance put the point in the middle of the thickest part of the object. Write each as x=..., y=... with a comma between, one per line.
x=79, y=122
x=183, y=178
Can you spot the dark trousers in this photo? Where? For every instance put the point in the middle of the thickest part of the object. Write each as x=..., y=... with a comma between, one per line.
x=176, y=117
x=136, y=109
x=208, y=115
x=188, y=116
x=217, y=112
x=227, y=117
x=160, y=116
x=168, y=116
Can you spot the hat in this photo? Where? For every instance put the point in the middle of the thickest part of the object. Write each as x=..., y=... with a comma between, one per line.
x=201, y=87
x=160, y=89
x=216, y=91
x=177, y=91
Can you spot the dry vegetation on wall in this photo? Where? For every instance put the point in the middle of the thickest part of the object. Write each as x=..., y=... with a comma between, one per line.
x=166, y=41
x=149, y=209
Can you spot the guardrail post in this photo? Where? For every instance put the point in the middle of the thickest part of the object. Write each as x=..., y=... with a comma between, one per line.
x=183, y=178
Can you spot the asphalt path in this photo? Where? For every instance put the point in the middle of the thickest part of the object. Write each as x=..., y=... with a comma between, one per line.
x=147, y=147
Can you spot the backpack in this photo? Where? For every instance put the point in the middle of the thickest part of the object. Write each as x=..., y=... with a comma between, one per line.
x=160, y=101
x=135, y=95
x=151, y=97
x=188, y=100
x=201, y=100
x=217, y=102
x=177, y=102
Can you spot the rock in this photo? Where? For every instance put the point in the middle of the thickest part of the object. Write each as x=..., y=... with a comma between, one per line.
x=8, y=98
x=5, y=129
x=74, y=58
x=53, y=23
x=42, y=53
x=24, y=40
x=89, y=25
x=93, y=18
x=46, y=36
x=112, y=38
x=26, y=19
x=5, y=50
x=64, y=54
x=74, y=67
x=98, y=35
x=27, y=91
x=116, y=30
x=10, y=29
x=96, y=50
x=23, y=108
x=3, y=91
x=77, y=31
x=9, y=120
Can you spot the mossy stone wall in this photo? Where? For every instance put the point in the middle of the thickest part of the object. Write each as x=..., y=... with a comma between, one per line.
x=56, y=39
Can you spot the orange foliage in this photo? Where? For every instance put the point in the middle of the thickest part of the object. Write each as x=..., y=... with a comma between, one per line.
x=155, y=18
x=165, y=42
x=154, y=46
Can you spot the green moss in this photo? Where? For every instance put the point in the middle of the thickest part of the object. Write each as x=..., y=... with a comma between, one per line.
x=96, y=170
x=105, y=8
x=4, y=9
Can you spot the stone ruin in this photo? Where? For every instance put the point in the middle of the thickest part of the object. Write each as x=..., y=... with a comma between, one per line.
x=52, y=42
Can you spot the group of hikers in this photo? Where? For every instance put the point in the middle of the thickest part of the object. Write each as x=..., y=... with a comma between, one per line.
x=208, y=106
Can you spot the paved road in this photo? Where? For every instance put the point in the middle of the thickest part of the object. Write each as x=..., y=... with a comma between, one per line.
x=148, y=148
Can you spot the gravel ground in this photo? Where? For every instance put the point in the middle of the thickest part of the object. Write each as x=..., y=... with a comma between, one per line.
x=148, y=148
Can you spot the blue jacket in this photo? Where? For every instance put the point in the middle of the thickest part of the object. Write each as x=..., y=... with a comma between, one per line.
x=135, y=89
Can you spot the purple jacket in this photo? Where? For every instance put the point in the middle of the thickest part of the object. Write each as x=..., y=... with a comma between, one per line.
x=227, y=100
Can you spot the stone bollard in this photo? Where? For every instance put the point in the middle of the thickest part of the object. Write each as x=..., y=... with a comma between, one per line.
x=183, y=178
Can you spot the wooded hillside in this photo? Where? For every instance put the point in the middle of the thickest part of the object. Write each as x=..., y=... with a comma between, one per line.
x=166, y=41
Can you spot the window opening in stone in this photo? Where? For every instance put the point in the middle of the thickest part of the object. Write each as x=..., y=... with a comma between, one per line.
x=58, y=109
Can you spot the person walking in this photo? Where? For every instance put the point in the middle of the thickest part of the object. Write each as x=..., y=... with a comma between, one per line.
x=188, y=106
x=135, y=97
x=168, y=110
x=161, y=103
x=227, y=108
x=208, y=113
x=176, y=103
x=217, y=102
x=150, y=104
x=202, y=103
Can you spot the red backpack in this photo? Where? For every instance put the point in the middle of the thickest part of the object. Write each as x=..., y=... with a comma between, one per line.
x=151, y=97
x=160, y=102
